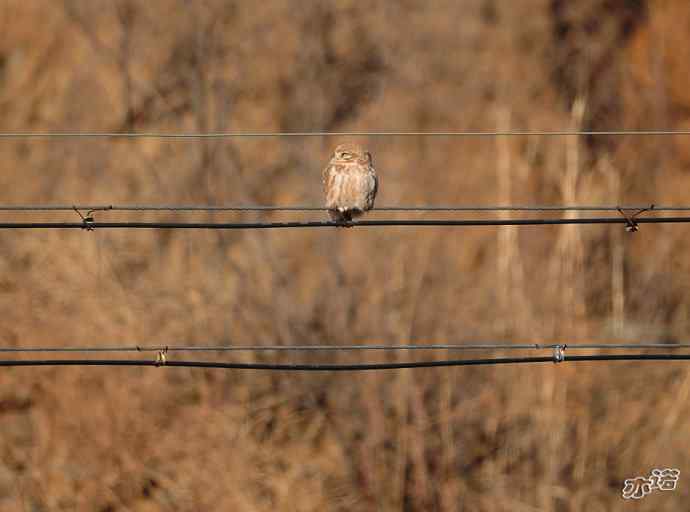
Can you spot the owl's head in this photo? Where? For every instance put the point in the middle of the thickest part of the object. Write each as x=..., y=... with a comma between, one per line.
x=351, y=153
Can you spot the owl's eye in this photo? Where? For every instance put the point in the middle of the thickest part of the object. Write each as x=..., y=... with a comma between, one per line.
x=346, y=155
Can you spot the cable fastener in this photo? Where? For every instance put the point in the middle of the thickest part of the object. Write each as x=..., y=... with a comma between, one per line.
x=161, y=359
x=558, y=353
x=630, y=224
x=87, y=221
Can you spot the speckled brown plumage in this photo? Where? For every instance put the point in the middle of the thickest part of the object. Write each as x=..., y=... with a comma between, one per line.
x=350, y=183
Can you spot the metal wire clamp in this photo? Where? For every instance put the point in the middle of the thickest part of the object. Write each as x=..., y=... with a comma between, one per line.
x=87, y=220
x=161, y=357
x=630, y=225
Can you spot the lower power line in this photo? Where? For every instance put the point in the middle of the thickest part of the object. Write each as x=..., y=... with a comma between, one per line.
x=324, y=224
x=557, y=358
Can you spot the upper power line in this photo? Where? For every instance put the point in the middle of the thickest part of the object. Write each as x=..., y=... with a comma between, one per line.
x=307, y=208
x=222, y=135
x=348, y=348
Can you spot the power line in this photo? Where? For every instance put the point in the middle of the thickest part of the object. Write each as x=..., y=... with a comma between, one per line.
x=330, y=348
x=346, y=367
x=222, y=135
x=278, y=208
x=323, y=224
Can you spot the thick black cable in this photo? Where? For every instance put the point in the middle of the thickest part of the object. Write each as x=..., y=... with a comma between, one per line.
x=326, y=224
x=274, y=366
x=343, y=367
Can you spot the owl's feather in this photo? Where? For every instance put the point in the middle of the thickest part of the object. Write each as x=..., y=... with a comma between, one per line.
x=350, y=183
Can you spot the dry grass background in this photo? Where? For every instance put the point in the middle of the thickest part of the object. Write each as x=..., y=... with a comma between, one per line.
x=509, y=438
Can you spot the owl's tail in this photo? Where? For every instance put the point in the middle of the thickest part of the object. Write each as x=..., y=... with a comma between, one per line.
x=342, y=216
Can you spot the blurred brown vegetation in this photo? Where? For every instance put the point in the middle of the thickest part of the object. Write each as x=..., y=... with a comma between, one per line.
x=506, y=438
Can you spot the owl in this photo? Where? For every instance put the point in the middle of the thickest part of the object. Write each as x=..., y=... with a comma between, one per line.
x=350, y=183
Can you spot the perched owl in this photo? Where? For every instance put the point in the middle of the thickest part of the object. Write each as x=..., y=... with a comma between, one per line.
x=350, y=183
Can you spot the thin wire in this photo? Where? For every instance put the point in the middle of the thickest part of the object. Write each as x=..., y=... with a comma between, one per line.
x=220, y=135
x=343, y=367
x=325, y=224
x=421, y=208
x=317, y=348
